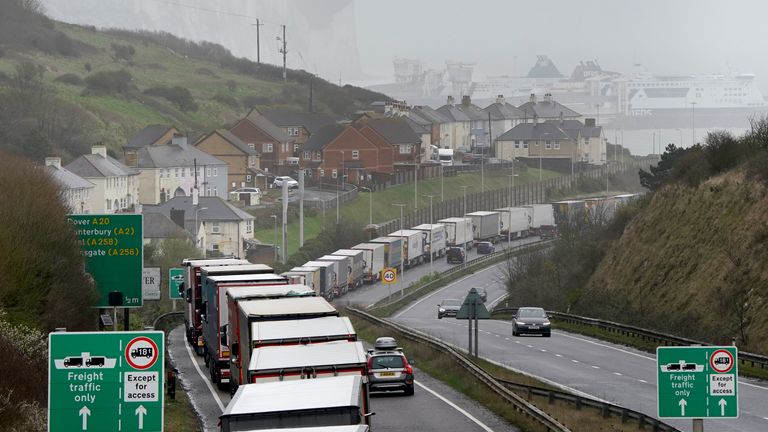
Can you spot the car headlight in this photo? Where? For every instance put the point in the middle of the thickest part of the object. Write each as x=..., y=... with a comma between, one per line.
x=441, y=310
x=546, y=323
x=520, y=323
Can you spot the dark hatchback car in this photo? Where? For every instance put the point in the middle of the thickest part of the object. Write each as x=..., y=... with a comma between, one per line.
x=448, y=307
x=531, y=320
x=485, y=247
x=455, y=255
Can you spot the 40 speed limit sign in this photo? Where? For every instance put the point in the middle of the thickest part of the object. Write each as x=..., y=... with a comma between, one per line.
x=389, y=275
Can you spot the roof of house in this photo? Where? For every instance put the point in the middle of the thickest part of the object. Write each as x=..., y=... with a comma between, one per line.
x=260, y=121
x=415, y=126
x=214, y=209
x=452, y=114
x=504, y=111
x=534, y=132
x=429, y=114
x=97, y=166
x=68, y=179
x=157, y=225
x=575, y=128
x=547, y=109
x=395, y=130
x=311, y=121
x=472, y=111
x=173, y=155
x=232, y=139
x=148, y=136
x=323, y=137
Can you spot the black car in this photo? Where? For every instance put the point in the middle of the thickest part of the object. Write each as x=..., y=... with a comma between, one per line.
x=485, y=247
x=531, y=320
x=455, y=255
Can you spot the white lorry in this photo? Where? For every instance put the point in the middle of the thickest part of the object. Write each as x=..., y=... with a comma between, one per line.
x=514, y=222
x=413, y=246
x=374, y=260
x=541, y=219
x=486, y=225
x=459, y=231
x=434, y=242
x=357, y=261
x=309, y=276
x=445, y=156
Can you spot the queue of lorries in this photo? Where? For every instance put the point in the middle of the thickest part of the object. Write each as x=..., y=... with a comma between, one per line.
x=268, y=337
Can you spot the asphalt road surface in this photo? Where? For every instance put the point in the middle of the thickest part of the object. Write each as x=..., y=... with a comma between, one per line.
x=434, y=407
x=614, y=373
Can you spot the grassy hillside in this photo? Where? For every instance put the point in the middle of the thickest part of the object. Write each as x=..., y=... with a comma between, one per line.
x=222, y=87
x=692, y=263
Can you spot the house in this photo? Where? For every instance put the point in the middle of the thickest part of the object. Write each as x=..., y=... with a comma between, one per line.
x=218, y=228
x=116, y=186
x=535, y=140
x=548, y=109
x=478, y=125
x=399, y=134
x=504, y=116
x=158, y=229
x=433, y=121
x=298, y=125
x=458, y=126
x=77, y=190
x=175, y=169
x=242, y=159
x=589, y=138
x=156, y=134
x=354, y=150
x=269, y=140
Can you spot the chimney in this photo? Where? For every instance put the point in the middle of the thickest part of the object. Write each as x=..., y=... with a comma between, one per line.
x=535, y=118
x=590, y=122
x=179, y=140
x=131, y=157
x=532, y=98
x=547, y=97
x=53, y=161
x=500, y=99
x=99, y=149
x=465, y=100
x=561, y=117
x=450, y=101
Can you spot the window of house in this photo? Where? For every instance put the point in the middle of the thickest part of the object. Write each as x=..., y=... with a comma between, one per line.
x=296, y=148
x=316, y=156
x=215, y=246
x=267, y=147
x=161, y=173
x=215, y=171
x=557, y=145
x=248, y=178
x=109, y=205
x=548, y=145
x=208, y=172
x=176, y=172
x=215, y=228
x=251, y=161
x=306, y=155
x=355, y=154
x=525, y=144
x=406, y=149
x=248, y=226
x=215, y=190
x=207, y=191
x=334, y=174
x=252, y=146
x=322, y=172
x=293, y=131
x=517, y=144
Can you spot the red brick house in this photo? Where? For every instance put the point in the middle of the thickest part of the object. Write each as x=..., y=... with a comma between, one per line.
x=398, y=134
x=270, y=141
x=337, y=150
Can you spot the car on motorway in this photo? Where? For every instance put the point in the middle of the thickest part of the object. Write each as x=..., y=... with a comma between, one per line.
x=482, y=293
x=279, y=180
x=455, y=255
x=448, y=307
x=388, y=368
x=485, y=247
x=531, y=320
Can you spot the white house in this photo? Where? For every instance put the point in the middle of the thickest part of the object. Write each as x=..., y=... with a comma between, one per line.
x=76, y=190
x=504, y=116
x=458, y=133
x=116, y=187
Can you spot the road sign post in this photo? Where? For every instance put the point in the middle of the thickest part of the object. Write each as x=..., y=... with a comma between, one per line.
x=697, y=382
x=389, y=277
x=112, y=245
x=105, y=382
x=473, y=308
x=175, y=282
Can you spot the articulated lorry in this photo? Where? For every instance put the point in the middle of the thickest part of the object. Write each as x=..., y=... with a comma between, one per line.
x=413, y=246
x=245, y=313
x=434, y=241
x=343, y=271
x=357, y=262
x=373, y=259
x=393, y=252
x=514, y=222
x=328, y=278
x=309, y=276
x=191, y=292
x=458, y=232
x=486, y=225
x=541, y=220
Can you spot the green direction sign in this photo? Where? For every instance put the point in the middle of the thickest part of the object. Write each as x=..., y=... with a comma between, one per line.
x=105, y=381
x=175, y=280
x=112, y=245
x=473, y=300
x=697, y=382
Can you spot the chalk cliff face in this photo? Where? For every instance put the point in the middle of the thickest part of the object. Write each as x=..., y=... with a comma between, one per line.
x=321, y=35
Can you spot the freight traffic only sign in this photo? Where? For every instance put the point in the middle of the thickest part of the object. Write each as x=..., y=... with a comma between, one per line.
x=697, y=382
x=112, y=245
x=105, y=381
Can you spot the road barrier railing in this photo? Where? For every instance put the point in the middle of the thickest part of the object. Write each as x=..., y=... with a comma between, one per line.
x=519, y=403
x=754, y=360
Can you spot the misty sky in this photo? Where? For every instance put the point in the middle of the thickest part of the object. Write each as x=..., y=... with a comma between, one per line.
x=500, y=36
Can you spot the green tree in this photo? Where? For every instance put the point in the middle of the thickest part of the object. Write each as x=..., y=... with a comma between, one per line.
x=44, y=280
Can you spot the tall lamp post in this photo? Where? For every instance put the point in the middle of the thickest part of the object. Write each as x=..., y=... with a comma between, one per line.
x=442, y=190
x=431, y=221
x=197, y=231
x=370, y=204
x=402, y=243
x=693, y=123
x=465, y=197
x=275, y=243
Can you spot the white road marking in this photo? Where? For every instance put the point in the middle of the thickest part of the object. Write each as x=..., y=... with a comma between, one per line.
x=506, y=339
x=643, y=381
x=529, y=346
x=558, y=355
x=497, y=335
x=595, y=367
x=399, y=314
x=575, y=361
x=205, y=379
x=617, y=373
x=542, y=350
x=456, y=407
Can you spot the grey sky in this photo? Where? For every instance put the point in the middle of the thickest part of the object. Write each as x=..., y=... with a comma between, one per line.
x=501, y=36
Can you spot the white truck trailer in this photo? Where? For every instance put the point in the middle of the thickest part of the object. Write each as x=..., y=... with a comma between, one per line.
x=514, y=222
x=393, y=252
x=309, y=276
x=541, y=219
x=486, y=225
x=413, y=246
x=434, y=242
x=459, y=231
x=357, y=258
x=374, y=260
x=343, y=271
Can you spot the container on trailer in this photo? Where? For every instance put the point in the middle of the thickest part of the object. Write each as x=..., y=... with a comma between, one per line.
x=413, y=246
x=486, y=225
x=514, y=222
x=393, y=253
x=309, y=276
x=374, y=260
x=541, y=219
x=434, y=239
x=343, y=271
x=328, y=277
x=357, y=262
x=458, y=231
x=569, y=210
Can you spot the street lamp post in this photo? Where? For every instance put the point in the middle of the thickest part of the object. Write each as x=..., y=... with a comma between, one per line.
x=197, y=233
x=431, y=221
x=416, y=184
x=465, y=197
x=370, y=204
x=693, y=123
x=402, y=243
x=442, y=191
x=275, y=242
x=511, y=185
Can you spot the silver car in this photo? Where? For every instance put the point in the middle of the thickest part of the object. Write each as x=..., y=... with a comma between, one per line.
x=389, y=371
x=448, y=307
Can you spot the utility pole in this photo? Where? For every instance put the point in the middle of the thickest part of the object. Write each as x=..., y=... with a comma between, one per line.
x=301, y=207
x=693, y=124
x=402, y=251
x=283, y=50
x=258, y=41
x=431, y=251
x=311, y=83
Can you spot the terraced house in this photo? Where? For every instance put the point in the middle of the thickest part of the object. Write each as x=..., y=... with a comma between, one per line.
x=116, y=186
